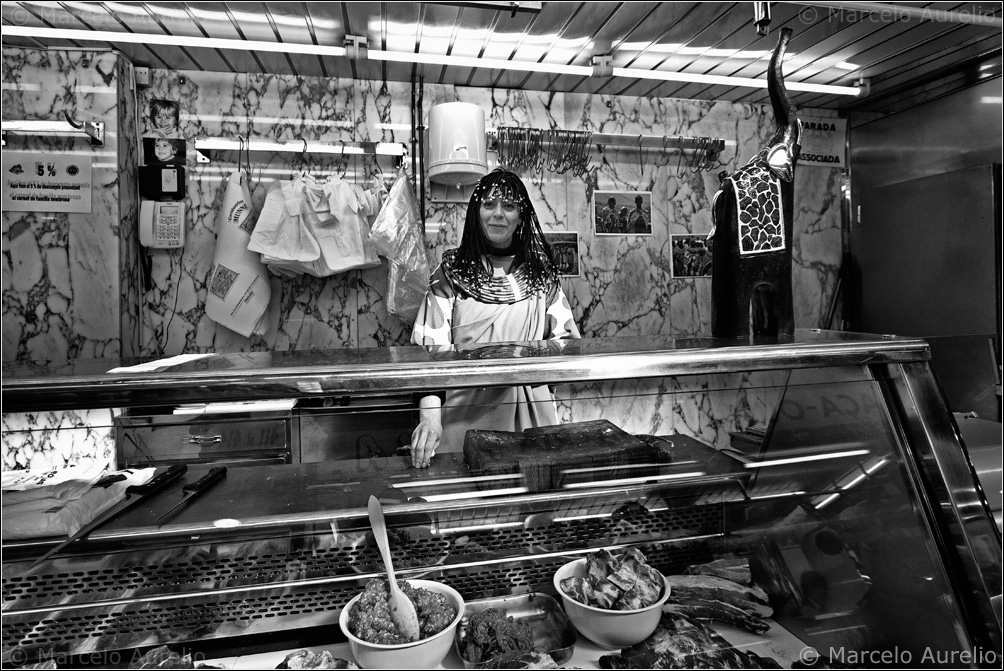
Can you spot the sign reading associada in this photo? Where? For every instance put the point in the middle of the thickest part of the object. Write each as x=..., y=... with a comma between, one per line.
x=823, y=142
x=35, y=182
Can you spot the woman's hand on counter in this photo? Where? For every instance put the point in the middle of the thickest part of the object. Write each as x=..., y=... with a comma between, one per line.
x=426, y=436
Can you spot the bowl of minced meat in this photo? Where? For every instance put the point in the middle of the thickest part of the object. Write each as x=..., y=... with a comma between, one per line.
x=375, y=641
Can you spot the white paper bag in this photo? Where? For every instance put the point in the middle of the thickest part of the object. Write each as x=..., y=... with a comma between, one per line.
x=239, y=290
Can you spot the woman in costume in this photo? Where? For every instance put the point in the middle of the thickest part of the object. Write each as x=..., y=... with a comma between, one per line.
x=500, y=285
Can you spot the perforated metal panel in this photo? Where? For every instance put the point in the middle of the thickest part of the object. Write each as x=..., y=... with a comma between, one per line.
x=240, y=589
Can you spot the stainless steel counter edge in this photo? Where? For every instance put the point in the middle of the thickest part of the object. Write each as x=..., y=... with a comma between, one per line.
x=258, y=376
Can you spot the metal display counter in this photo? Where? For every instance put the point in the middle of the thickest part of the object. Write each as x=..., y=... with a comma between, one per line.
x=828, y=460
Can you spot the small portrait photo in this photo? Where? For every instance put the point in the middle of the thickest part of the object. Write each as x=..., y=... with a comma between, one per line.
x=692, y=255
x=163, y=151
x=566, y=252
x=165, y=118
x=622, y=212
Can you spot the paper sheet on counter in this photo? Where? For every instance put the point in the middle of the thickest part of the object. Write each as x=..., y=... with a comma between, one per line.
x=268, y=405
x=160, y=364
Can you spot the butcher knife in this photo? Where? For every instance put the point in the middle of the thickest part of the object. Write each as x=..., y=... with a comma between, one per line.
x=197, y=488
x=133, y=494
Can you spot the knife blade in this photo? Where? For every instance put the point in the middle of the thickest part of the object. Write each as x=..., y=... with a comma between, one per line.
x=197, y=488
x=134, y=493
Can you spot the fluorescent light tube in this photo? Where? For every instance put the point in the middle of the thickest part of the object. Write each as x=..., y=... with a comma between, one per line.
x=693, y=78
x=633, y=481
x=409, y=57
x=171, y=40
x=297, y=146
x=799, y=460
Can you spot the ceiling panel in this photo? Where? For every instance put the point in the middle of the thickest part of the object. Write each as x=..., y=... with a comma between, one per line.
x=933, y=53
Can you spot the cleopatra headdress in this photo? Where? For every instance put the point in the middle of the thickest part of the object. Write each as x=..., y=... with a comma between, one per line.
x=469, y=266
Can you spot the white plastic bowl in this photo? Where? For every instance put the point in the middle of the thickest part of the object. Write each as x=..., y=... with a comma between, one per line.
x=608, y=628
x=426, y=653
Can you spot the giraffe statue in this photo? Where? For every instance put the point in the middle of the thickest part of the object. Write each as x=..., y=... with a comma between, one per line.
x=752, y=227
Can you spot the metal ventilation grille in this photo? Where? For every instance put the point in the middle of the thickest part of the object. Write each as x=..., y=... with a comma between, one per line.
x=478, y=564
x=190, y=576
x=76, y=632
x=536, y=575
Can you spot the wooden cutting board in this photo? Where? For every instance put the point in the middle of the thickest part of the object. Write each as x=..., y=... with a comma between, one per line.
x=552, y=456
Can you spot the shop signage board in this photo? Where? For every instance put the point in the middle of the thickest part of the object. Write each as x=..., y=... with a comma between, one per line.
x=40, y=182
x=823, y=142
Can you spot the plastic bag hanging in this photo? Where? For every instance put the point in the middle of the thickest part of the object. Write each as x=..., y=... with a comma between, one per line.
x=396, y=234
x=238, y=284
x=397, y=222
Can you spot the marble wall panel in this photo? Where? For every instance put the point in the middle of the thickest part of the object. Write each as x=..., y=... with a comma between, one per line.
x=61, y=274
x=68, y=291
x=47, y=440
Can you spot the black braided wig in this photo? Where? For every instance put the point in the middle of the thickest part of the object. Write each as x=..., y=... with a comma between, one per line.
x=472, y=261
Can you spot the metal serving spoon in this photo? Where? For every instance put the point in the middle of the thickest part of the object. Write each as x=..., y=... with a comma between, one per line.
x=402, y=610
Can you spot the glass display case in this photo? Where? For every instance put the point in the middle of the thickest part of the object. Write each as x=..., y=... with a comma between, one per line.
x=827, y=464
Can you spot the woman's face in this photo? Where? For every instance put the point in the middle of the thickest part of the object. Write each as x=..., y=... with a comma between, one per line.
x=499, y=219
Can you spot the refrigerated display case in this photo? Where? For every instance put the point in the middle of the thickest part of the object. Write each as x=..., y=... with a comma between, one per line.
x=828, y=462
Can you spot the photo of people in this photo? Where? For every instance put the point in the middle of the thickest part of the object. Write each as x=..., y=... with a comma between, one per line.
x=622, y=212
x=566, y=252
x=165, y=118
x=163, y=151
x=692, y=255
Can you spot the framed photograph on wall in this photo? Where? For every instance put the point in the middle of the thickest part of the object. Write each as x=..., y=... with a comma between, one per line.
x=566, y=252
x=692, y=255
x=163, y=151
x=622, y=212
x=164, y=119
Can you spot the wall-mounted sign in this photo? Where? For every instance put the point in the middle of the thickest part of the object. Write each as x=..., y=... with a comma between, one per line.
x=39, y=182
x=823, y=142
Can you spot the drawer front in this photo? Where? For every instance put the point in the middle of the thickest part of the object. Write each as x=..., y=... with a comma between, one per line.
x=205, y=441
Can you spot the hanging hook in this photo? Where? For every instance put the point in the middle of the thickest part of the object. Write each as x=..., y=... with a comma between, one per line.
x=240, y=153
x=247, y=159
x=69, y=120
x=641, y=158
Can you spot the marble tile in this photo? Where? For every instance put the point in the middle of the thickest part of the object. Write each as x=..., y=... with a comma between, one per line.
x=57, y=439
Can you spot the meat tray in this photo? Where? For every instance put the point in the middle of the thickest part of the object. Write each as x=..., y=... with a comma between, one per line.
x=552, y=632
x=550, y=457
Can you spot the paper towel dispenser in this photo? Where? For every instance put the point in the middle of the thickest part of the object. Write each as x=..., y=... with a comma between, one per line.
x=457, y=144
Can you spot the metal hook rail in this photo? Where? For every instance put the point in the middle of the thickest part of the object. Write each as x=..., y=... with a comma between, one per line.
x=527, y=148
x=636, y=141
